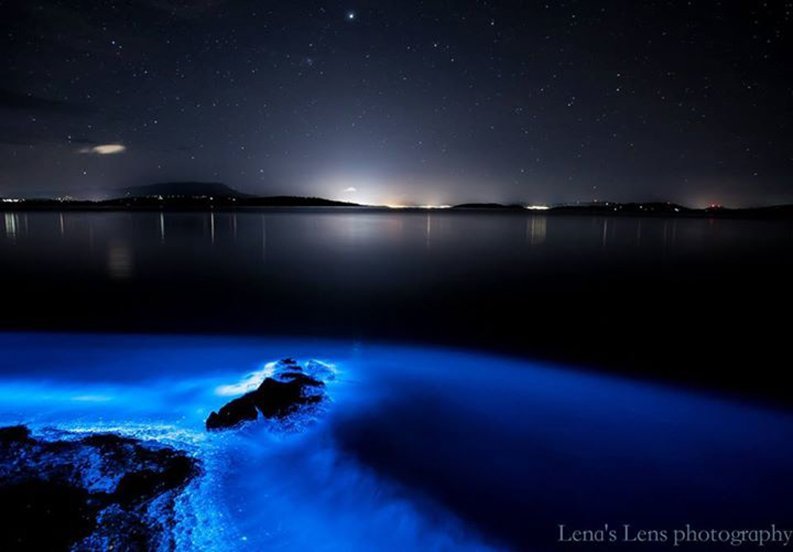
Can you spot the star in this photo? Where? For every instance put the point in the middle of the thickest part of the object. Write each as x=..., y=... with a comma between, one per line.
x=350, y=16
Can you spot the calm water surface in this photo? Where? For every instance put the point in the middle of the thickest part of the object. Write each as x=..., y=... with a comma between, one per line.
x=674, y=298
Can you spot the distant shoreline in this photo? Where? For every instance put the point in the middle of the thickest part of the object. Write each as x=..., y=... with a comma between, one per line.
x=218, y=197
x=626, y=210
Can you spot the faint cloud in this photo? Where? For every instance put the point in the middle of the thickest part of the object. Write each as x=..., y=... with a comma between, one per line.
x=104, y=149
x=350, y=190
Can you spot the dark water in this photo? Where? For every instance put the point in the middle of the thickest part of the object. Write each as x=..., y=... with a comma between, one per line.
x=684, y=299
x=445, y=431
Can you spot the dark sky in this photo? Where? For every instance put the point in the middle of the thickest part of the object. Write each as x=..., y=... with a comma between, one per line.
x=400, y=101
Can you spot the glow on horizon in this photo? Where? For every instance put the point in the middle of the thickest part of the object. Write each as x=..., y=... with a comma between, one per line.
x=537, y=207
x=398, y=206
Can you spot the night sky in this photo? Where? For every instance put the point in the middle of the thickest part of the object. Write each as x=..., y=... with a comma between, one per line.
x=401, y=102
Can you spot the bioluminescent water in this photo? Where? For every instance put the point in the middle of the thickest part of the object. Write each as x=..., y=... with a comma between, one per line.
x=418, y=449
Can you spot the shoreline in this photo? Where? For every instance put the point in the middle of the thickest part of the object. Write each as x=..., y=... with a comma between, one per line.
x=773, y=213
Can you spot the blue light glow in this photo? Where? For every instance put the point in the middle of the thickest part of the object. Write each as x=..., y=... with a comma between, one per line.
x=419, y=448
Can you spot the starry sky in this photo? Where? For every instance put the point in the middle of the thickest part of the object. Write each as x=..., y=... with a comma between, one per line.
x=401, y=102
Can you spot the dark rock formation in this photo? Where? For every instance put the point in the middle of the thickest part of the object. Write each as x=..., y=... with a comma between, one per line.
x=276, y=398
x=233, y=413
x=14, y=434
x=138, y=486
x=98, y=492
x=286, y=392
x=45, y=515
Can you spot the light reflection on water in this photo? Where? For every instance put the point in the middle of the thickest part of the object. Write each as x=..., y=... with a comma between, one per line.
x=342, y=230
x=420, y=448
x=11, y=224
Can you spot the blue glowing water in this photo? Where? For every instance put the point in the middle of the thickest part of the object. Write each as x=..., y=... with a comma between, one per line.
x=419, y=449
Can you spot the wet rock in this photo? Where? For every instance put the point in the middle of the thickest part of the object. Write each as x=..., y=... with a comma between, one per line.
x=288, y=391
x=44, y=515
x=138, y=486
x=14, y=434
x=276, y=398
x=98, y=492
x=320, y=370
x=233, y=413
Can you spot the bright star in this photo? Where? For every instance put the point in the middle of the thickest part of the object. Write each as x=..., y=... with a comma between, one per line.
x=350, y=15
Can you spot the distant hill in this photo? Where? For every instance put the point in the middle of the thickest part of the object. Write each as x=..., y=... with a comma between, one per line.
x=196, y=194
x=182, y=190
x=214, y=195
x=649, y=208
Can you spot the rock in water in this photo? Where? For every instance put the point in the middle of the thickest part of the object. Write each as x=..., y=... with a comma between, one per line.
x=288, y=390
x=99, y=492
x=233, y=413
